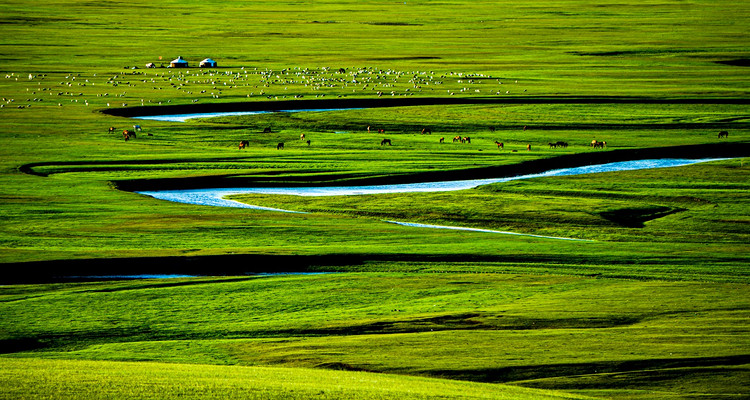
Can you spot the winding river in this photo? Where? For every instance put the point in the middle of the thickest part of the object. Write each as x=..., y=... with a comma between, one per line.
x=216, y=197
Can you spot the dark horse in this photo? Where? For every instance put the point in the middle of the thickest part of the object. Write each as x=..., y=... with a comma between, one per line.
x=723, y=134
x=385, y=141
x=243, y=144
x=280, y=146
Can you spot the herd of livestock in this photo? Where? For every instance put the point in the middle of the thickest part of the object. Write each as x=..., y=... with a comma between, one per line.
x=131, y=134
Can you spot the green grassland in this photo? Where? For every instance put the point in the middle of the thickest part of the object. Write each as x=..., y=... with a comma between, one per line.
x=651, y=302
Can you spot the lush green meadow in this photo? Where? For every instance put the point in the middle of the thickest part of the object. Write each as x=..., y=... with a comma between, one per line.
x=650, y=301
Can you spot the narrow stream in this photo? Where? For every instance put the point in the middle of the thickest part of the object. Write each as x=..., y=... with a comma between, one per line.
x=216, y=197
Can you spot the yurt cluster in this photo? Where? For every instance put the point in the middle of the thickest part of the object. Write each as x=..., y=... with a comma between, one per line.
x=180, y=62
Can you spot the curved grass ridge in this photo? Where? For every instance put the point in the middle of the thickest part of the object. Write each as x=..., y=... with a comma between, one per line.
x=33, y=379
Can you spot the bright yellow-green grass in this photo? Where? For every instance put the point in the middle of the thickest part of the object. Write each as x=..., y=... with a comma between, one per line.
x=652, y=305
x=37, y=379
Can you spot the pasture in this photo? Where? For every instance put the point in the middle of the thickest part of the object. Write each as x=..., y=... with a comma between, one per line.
x=653, y=303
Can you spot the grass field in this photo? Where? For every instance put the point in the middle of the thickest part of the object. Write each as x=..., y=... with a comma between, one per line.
x=653, y=303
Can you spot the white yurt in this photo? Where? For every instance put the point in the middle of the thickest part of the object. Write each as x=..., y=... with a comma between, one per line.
x=208, y=63
x=179, y=62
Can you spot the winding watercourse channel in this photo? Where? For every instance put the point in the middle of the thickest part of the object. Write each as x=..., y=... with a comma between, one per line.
x=216, y=197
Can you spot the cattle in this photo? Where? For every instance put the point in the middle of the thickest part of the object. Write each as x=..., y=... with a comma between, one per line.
x=724, y=134
x=500, y=145
x=385, y=141
x=280, y=146
x=267, y=130
x=598, y=145
x=243, y=144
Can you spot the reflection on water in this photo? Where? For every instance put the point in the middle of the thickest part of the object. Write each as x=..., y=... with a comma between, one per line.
x=185, y=117
x=215, y=197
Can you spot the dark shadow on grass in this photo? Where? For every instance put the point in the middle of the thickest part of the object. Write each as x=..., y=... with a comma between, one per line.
x=528, y=372
x=714, y=150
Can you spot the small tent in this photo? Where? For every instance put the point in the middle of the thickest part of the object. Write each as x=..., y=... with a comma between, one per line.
x=179, y=62
x=208, y=63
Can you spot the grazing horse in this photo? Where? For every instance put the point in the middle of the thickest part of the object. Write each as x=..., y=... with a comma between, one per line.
x=267, y=130
x=598, y=145
x=243, y=144
x=385, y=141
x=499, y=145
x=302, y=137
x=280, y=146
x=552, y=145
x=111, y=129
x=308, y=143
x=426, y=131
x=723, y=134
x=564, y=145
x=128, y=134
x=528, y=147
x=466, y=139
x=456, y=139
x=442, y=140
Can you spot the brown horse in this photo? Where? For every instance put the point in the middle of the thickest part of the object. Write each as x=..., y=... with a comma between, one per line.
x=442, y=140
x=426, y=131
x=243, y=144
x=724, y=134
x=128, y=134
x=499, y=145
x=598, y=145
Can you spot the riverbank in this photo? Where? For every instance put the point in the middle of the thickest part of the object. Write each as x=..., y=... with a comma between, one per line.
x=716, y=150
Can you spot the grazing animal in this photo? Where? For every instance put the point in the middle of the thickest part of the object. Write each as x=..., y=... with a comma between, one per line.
x=564, y=145
x=723, y=134
x=466, y=139
x=280, y=146
x=426, y=131
x=524, y=127
x=552, y=145
x=385, y=141
x=492, y=129
x=456, y=139
x=111, y=129
x=302, y=137
x=500, y=145
x=442, y=140
x=308, y=143
x=598, y=145
x=128, y=134
x=137, y=128
x=243, y=144
x=528, y=147
x=267, y=130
